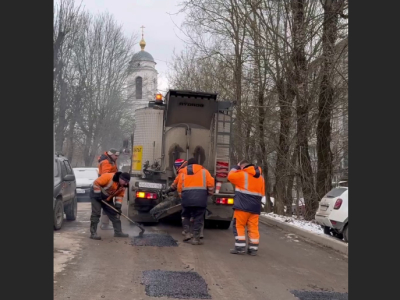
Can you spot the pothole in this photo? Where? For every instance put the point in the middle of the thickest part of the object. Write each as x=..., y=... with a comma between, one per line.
x=155, y=240
x=173, y=284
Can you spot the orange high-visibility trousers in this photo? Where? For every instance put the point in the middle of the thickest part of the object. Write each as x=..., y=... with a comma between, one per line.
x=241, y=219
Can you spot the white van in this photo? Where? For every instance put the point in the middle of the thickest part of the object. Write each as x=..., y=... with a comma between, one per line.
x=333, y=213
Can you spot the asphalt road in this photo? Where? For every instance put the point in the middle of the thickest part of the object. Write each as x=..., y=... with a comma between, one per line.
x=113, y=268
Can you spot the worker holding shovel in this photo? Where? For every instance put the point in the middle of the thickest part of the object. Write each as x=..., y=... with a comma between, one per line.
x=105, y=188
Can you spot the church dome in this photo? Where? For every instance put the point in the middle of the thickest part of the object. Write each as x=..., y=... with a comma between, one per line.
x=142, y=56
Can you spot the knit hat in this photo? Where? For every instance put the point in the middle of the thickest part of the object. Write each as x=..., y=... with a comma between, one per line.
x=125, y=176
x=179, y=163
x=113, y=151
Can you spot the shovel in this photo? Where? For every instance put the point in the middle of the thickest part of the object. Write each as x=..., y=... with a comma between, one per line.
x=121, y=214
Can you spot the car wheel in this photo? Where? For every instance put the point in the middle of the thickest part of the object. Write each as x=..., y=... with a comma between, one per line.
x=71, y=210
x=327, y=230
x=338, y=235
x=58, y=214
x=346, y=233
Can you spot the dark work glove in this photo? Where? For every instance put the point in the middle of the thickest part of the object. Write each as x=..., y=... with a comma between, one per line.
x=118, y=206
x=98, y=198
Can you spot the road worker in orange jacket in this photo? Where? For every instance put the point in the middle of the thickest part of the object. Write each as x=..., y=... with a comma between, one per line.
x=106, y=187
x=179, y=165
x=249, y=190
x=195, y=184
x=107, y=164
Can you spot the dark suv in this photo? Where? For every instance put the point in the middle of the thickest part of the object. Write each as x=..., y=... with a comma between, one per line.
x=64, y=198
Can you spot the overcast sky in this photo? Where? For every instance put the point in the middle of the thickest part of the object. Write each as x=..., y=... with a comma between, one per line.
x=157, y=16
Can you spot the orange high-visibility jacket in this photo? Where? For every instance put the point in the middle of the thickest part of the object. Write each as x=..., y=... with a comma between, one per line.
x=106, y=164
x=249, y=188
x=195, y=184
x=105, y=184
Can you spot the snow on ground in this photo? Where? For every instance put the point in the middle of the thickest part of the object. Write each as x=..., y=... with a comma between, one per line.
x=307, y=225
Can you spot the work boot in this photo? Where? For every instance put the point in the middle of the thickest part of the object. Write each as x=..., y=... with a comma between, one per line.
x=187, y=237
x=252, y=252
x=197, y=241
x=235, y=251
x=93, y=231
x=120, y=234
x=118, y=230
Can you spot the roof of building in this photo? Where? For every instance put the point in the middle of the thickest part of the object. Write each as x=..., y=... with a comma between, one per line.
x=142, y=56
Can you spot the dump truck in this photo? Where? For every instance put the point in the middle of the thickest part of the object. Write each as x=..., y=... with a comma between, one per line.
x=187, y=124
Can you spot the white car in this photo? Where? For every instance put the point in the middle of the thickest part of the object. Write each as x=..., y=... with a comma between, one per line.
x=333, y=213
x=84, y=179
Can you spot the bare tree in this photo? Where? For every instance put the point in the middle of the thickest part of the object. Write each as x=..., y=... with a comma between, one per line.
x=259, y=52
x=65, y=25
x=332, y=9
x=103, y=59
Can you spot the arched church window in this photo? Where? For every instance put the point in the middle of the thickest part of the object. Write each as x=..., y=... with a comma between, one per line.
x=138, y=84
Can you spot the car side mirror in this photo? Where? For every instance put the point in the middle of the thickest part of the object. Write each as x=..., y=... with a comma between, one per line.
x=69, y=177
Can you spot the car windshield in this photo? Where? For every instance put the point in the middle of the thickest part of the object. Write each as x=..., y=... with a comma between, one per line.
x=336, y=192
x=86, y=173
x=55, y=169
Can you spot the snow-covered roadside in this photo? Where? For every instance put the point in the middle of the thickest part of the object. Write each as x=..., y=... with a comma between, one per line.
x=307, y=225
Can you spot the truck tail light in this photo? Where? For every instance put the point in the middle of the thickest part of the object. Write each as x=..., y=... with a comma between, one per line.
x=228, y=201
x=338, y=203
x=145, y=195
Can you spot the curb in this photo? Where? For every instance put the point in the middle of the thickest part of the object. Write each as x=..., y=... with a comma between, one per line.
x=320, y=239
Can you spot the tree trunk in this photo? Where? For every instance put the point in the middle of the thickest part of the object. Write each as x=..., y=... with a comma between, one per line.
x=60, y=128
x=325, y=101
x=293, y=171
x=300, y=82
x=281, y=174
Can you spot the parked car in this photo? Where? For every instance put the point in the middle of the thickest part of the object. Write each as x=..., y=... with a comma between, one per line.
x=64, y=197
x=333, y=214
x=84, y=179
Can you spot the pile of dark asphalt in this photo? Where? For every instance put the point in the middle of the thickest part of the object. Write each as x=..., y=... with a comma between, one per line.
x=314, y=295
x=182, y=285
x=155, y=240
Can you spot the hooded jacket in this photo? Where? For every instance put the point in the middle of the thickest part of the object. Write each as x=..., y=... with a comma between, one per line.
x=249, y=188
x=196, y=183
x=106, y=164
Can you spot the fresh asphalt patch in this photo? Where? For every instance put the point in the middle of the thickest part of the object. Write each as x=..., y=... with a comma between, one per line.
x=181, y=285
